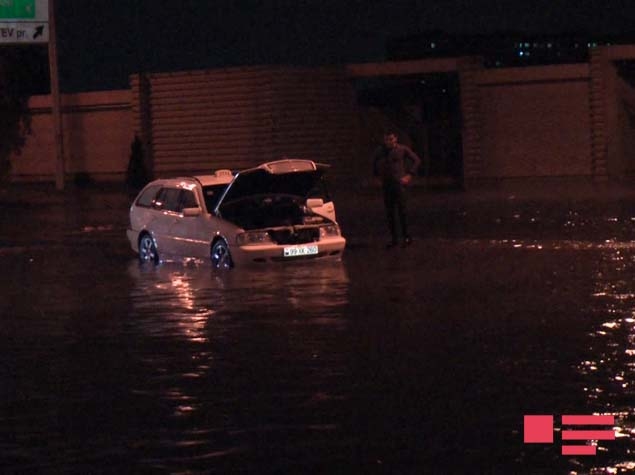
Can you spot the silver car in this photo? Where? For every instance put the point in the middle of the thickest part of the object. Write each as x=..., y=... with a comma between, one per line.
x=276, y=212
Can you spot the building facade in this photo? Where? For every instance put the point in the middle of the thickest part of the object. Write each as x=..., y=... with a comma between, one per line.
x=470, y=123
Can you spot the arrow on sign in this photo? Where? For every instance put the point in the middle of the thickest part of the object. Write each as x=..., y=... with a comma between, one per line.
x=39, y=31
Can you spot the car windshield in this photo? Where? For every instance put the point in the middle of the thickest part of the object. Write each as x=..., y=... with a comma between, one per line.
x=212, y=194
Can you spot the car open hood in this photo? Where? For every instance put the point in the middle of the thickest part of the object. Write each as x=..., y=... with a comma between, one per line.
x=290, y=177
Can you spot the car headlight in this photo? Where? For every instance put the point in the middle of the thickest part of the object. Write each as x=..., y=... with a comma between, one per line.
x=330, y=230
x=253, y=238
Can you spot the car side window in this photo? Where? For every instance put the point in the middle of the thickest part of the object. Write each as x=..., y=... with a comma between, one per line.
x=188, y=200
x=168, y=199
x=147, y=197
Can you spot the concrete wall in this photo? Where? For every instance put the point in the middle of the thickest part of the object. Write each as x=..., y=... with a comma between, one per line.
x=199, y=121
x=535, y=121
x=619, y=110
x=97, y=136
x=626, y=125
x=556, y=121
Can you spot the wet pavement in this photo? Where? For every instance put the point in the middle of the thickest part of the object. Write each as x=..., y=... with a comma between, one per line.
x=415, y=360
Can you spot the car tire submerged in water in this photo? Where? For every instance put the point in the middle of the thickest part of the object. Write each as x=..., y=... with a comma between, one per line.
x=221, y=257
x=147, y=250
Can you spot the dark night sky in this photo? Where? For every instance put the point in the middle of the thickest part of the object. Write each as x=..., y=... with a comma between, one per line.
x=101, y=42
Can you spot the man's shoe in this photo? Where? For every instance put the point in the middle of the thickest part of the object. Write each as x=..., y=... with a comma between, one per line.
x=391, y=244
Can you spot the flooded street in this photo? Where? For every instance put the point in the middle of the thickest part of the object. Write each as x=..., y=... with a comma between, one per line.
x=415, y=360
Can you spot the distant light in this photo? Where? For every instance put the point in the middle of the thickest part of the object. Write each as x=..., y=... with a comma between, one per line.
x=521, y=53
x=433, y=45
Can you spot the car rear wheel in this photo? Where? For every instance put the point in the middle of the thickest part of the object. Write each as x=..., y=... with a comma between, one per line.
x=148, y=250
x=221, y=257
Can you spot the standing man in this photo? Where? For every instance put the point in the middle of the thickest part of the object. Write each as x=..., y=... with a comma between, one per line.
x=395, y=164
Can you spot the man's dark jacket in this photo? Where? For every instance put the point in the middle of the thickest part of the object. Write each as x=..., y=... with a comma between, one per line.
x=392, y=164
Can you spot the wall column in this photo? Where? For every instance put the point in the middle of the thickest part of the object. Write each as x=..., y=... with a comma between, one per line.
x=142, y=117
x=599, y=64
x=472, y=123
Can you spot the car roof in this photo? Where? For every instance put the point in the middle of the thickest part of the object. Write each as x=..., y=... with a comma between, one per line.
x=220, y=177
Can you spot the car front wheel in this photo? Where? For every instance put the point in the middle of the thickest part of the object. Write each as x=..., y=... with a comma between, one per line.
x=148, y=250
x=221, y=257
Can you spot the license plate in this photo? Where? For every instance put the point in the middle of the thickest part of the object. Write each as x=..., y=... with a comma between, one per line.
x=300, y=251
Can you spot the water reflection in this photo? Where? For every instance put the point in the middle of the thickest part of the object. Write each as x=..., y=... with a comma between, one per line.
x=198, y=287
x=223, y=351
x=608, y=245
x=609, y=371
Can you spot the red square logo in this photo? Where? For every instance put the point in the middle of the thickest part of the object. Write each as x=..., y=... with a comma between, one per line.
x=539, y=429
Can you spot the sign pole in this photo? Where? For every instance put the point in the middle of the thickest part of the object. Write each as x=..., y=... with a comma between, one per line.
x=56, y=102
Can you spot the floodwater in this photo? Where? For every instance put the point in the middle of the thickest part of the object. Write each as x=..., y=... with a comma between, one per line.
x=415, y=360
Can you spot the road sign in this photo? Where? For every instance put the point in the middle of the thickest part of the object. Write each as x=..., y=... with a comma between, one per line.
x=17, y=9
x=24, y=21
x=14, y=33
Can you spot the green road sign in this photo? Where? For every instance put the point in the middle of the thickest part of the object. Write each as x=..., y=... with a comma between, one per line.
x=17, y=9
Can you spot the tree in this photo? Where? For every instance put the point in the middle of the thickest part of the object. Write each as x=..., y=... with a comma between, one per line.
x=137, y=174
x=22, y=73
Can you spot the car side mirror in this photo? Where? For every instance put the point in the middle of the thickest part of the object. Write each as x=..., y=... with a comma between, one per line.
x=314, y=202
x=191, y=212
